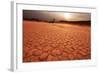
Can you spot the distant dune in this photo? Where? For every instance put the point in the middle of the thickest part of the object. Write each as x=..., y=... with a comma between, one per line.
x=43, y=41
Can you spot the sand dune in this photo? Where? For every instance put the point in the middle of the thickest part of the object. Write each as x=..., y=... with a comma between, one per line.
x=55, y=42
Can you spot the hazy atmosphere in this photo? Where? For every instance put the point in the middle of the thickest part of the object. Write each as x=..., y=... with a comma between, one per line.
x=58, y=16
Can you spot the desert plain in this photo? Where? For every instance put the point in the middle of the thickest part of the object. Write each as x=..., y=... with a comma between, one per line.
x=44, y=41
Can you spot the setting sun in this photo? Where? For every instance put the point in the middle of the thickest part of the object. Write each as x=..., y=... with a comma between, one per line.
x=67, y=15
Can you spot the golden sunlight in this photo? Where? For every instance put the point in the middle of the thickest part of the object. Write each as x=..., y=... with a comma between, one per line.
x=68, y=15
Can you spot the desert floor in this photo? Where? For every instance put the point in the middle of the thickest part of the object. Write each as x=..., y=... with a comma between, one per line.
x=44, y=41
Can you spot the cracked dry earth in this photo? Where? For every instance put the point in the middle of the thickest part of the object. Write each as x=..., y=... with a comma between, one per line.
x=55, y=42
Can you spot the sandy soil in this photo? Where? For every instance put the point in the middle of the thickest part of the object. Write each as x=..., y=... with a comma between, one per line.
x=55, y=42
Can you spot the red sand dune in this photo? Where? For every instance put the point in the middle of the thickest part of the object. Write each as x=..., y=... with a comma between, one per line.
x=55, y=42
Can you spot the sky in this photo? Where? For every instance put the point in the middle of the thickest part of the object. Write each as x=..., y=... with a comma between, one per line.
x=58, y=16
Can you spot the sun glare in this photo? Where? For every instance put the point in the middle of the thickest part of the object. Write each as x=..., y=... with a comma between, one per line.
x=67, y=15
